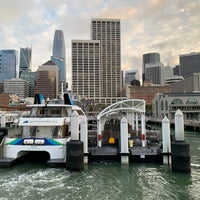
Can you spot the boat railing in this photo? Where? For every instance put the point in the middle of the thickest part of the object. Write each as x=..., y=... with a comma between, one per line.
x=44, y=116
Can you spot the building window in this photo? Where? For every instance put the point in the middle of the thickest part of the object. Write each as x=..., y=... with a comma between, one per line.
x=177, y=102
x=162, y=105
x=166, y=105
x=192, y=101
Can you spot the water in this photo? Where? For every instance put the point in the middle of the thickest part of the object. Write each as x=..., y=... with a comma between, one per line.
x=141, y=181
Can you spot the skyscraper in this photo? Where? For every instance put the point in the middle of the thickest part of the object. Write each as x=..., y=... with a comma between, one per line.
x=25, y=60
x=59, y=57
x=16, y=86
x=86, y=69
x=107, y=31
x=189, y=64
x=47, y=80
x=149, y=58
x=9, y=67
x=29, y=76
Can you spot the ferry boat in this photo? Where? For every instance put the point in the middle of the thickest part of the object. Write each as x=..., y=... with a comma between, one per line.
x=45, y=129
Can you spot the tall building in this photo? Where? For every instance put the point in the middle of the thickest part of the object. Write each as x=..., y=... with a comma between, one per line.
x=153, y=72
x=59, y=57
x=30, y=77
x=166, y=73
x=16, y=86
x=149, y=58
x=131, y=75
x=107, y=31
x=189, y=64
x=86, y=69
x=25, y=60
x=46, y=81
x=9, y=67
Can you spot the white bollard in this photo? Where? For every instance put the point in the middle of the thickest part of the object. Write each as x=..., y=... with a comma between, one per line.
x=179, y=126
x=124, y=141
x=75, y=126
x=84, y=138
x=3, y=121
x=99, y=139
x=166, y=141
x=143, y=134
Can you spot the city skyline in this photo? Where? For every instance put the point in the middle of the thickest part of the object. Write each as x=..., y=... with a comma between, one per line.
x=169, y=27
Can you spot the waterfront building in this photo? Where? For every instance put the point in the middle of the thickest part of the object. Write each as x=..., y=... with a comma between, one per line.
x=46, y=81
x=86, y=69
x=25, y=60
x=108, y=32
x=59, y=57
x=16, y=86
x=9, y=67
x=146, y=92
x=189, y=64
x=166, y=104
x=149, y=58
x=188, y=85
x=30, y=77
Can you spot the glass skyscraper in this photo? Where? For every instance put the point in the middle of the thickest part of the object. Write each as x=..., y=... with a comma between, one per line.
x=25, y=60
x=9, y=67
x=59, y=57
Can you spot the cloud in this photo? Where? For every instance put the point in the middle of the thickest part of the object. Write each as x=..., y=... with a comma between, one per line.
x=168, y=27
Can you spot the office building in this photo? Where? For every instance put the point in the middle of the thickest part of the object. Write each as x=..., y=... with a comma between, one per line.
x=189, y=64
x=130, y=76
x=153, y=72
x=86, y=69
x=25, y=60
x=46, y=81
x=166, y=73
x=59, y=57
x=9, y=67
x=16, y=86
x=145, y=92
x=149, y=58
x=107, y=31
x=30, y=77
x=187, y=85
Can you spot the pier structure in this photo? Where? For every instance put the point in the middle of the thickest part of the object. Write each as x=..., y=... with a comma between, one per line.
x=131, y=109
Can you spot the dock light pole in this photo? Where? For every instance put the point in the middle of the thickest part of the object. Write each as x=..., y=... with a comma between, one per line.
x=84, y=138
x=166, y=141
x=180, y=149
x=124, y=141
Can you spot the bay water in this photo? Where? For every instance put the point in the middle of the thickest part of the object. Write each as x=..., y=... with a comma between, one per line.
x=140, y=181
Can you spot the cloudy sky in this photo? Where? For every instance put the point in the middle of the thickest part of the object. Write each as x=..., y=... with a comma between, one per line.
x=169, y=27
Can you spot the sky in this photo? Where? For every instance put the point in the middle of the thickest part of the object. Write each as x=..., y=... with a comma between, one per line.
x=169, y=27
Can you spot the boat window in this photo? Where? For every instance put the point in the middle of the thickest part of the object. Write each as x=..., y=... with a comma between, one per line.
x=56, y=112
